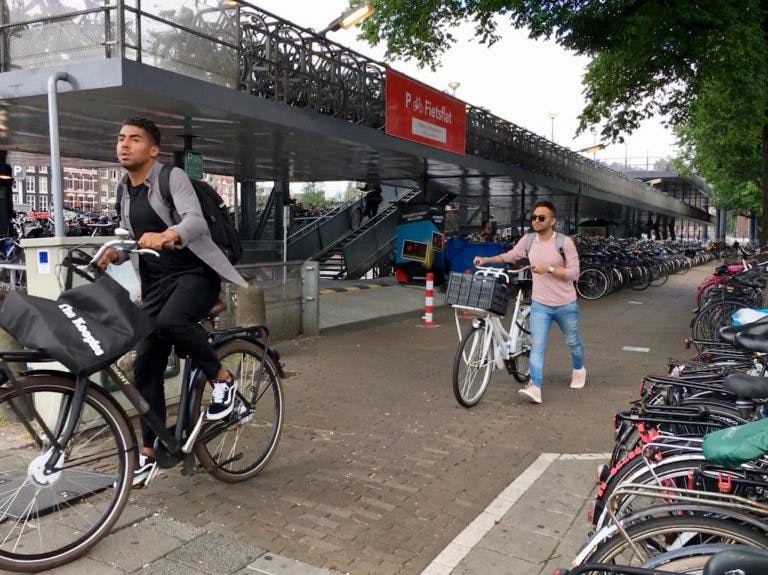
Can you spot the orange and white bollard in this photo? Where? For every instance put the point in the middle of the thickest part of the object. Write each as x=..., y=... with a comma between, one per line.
x=429, y=300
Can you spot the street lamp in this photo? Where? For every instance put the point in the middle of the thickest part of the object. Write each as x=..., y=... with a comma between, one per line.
x=593, y=149
x=552, y=117
x=454, y=86
x=351, y=16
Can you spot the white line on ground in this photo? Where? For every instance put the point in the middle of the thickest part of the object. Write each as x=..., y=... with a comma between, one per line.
x=473, y=533
x=638, y=349
x=636, y=302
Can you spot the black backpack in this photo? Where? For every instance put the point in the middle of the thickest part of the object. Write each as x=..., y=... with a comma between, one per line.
x=220, y=225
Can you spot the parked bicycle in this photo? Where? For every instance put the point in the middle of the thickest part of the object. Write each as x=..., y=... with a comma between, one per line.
x=69, y=449
x=488, y=345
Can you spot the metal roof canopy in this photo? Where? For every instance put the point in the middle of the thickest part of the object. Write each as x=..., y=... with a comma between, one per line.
x=257, y=139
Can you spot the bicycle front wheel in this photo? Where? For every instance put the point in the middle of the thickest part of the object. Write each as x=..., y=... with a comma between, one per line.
x=238, y=447
x=48, y=519
x=472, y=367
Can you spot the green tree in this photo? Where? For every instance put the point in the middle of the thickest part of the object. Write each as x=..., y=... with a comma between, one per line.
x=676, y=59
x=312, y=193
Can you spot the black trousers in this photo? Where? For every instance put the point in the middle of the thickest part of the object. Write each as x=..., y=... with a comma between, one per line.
x=177, y=324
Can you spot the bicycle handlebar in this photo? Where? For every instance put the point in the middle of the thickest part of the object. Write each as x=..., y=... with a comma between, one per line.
x=500, y=272
x=124, y=244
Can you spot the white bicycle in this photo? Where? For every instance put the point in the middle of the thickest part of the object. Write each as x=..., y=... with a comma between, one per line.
x=488, y=346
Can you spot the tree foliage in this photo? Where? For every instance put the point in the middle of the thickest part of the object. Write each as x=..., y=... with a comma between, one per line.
x=701, y=65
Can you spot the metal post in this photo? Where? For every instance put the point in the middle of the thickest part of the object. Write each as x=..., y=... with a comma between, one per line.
x=53, y=127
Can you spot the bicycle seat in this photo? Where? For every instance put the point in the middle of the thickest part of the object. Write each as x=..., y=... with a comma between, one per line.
x=739, y=559
x=751, y=342
x=216, y=309
x=747, y=386
x=759, y=328
x=522, y=283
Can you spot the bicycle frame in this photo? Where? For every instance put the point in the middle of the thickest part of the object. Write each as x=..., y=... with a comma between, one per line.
x=173, y=448
x=493, y=326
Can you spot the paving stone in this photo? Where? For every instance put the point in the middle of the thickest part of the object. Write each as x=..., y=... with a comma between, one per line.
x=83, y=565
x=269, y=564
x=167, y=566
x=490, y=562
x=215, y=554
x=519, y=543
x=133, y=547
x=169, y=526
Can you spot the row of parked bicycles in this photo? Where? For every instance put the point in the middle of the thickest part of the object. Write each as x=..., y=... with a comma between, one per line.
x=612, y=264
x=731, y=287
x=686, y=488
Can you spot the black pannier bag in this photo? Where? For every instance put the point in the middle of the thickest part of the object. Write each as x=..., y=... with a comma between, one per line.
x=86, y=328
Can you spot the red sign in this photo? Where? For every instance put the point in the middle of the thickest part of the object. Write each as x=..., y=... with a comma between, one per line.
x=38, y=215
x=422, y=114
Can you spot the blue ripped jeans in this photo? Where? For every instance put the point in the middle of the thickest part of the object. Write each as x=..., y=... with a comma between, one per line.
x=542, y=316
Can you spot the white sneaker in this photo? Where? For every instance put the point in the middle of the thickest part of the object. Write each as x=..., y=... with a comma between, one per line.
x=578, y=378
x=531, y=393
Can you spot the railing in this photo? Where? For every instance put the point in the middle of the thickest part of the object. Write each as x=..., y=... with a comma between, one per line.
x=244, y=47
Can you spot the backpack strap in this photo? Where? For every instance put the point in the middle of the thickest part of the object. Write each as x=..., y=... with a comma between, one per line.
x=164, y=180
x=529, y=242
x=559, y=243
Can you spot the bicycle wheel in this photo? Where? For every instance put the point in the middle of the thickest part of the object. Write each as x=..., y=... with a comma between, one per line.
x=521, y=365
x=660, y=534
x=641, y=279
x=356, y=217
x=659, y=274
x=49, y=520
x=592, y=284
x=712, y=317
x=237, y=447
x=472, y=367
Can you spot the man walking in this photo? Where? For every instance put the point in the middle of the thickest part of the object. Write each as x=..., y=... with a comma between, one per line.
x=555, y=266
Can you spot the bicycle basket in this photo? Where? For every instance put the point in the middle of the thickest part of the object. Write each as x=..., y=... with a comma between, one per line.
x=485, y=292
x=86, y=328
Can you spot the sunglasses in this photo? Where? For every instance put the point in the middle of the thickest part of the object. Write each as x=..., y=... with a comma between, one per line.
x=539, y=218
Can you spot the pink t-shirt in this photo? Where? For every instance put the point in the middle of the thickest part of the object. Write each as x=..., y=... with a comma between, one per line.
x=547, y=288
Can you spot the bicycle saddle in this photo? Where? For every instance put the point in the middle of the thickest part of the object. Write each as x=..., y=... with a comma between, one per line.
x=747, y=386
x=729, y=332
x=217, y=307
x=751, y=341
x=740, y=559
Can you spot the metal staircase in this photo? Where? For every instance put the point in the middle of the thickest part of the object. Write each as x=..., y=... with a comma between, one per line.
x=353, y=255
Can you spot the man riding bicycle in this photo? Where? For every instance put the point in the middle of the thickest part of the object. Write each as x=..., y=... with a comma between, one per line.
x=179, y=287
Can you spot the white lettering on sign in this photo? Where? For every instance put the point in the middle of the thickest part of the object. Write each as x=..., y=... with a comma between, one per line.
x=427, y=130
x=407, y=100
x=441, y=114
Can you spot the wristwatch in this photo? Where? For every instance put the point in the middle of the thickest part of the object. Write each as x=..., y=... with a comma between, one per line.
x=551, y=269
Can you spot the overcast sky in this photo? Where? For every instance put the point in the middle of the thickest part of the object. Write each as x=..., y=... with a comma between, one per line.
x=520, y=80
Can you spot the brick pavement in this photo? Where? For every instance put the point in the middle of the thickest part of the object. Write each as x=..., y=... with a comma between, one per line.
x=379, y=469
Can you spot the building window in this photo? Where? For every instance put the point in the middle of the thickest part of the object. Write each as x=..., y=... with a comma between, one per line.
x=31, y=202
x=30, y=184
x=43, y=203
x=43, y=183
x=31, y=169
x=43, y=169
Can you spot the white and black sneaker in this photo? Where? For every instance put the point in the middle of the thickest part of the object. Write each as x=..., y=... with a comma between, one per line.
x=222, y=399
x=144, y=472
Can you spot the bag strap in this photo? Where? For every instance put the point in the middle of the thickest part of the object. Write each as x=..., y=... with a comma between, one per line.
x=559, y=243
x=165, y=186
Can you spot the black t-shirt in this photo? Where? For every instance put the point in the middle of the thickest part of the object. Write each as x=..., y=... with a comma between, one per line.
x=159, y=275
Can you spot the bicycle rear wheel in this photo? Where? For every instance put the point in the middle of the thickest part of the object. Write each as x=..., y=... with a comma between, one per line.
x=521, y=365
x=49, y=520
x=238, y=447
x=592, y=284
x=472, y=367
